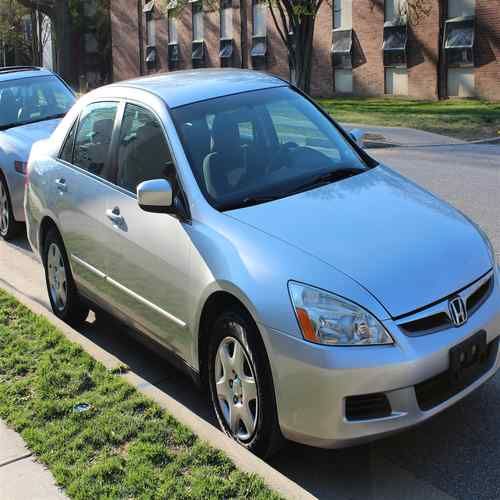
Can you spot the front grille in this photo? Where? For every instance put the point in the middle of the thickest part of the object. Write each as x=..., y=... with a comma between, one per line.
x=439, y=319
x=438, y=389
x=367, y=407
x=429, y=324
x=476, y=300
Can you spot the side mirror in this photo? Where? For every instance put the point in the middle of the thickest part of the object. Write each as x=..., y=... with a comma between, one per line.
x=358, y=136
x=155, y=196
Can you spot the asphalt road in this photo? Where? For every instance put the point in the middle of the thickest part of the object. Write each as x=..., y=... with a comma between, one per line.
x=455, y=455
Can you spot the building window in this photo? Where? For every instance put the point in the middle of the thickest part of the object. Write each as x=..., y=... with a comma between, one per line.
x=342, y=14
x=150, y=24
x=395, y=9
x=342, y=49
x=395, y=42
x=150, y=33
x=343, y=81
x=173, y=39
x=461, y=8
x=459, y=42
x=259, y=38
x=461, y=82
x=198, y=47
x=226, y=30
x=396, y=81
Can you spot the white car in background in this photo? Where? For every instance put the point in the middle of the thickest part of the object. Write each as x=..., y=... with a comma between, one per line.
x=32, y=103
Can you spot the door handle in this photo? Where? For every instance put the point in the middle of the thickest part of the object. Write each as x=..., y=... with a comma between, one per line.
x=114, y=216
x=61, y=185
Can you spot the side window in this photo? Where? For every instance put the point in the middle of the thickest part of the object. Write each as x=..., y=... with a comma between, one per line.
x=67, y=150
x=93, y=138
x=143, y=152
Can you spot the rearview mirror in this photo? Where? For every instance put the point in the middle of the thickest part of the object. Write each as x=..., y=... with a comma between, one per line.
x=358, y=136
x=155, y=196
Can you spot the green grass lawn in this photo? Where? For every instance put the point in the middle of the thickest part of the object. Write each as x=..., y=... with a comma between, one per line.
x=463, y=119
x=125, y=446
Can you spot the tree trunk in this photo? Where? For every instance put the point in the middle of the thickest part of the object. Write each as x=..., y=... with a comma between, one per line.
x=300, y=51
x=244, y=34
x=140, y=32
x=62, y=29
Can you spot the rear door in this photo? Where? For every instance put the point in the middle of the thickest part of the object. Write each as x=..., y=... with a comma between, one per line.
x=81, y=195
x=149, y=253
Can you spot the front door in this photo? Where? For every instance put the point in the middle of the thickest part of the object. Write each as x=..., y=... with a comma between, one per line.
x=80, y=192
x=149, y=253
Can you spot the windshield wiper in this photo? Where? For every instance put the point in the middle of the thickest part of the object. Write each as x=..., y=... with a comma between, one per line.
x=327, y=178
x=249, y=201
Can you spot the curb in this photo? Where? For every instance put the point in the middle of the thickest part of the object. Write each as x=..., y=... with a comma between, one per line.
x=386, y=145
x=242, y=458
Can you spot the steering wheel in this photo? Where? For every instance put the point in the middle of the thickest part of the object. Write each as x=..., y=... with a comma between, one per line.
x=283, y=156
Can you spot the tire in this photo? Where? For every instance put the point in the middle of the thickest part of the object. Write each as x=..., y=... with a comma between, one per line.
x=250, y=418
x=64, y=298
x=9, y=227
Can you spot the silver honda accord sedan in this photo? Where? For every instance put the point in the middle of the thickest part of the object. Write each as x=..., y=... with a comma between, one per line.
x=318, y=295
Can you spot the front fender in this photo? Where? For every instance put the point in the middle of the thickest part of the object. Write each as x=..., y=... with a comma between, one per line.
x=255, y=268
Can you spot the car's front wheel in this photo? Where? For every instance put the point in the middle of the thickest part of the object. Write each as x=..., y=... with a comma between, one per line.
x=9, y=227
x=64, y=298
x=240, y=382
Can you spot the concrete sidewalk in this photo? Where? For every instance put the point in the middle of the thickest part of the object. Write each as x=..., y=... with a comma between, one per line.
x=401, y=137
x=21, y=476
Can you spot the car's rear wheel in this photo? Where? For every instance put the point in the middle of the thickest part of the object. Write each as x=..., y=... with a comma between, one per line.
x=9, y=227
x=64, y=299
x=240, y=383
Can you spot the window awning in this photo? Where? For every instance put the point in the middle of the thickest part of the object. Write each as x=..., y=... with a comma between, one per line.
x=173, y=52
x=198, y=50
x=259, y=46
x=149, y=7
x=151, y=55
x=226, y=48
x=395, y=36
x=342, y=41
x=459, y=33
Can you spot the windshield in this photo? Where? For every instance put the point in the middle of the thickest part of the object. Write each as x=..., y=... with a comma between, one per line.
x=258, y=146
x=29, y=100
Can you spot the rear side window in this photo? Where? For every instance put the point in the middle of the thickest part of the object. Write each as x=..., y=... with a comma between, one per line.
x=93, y=139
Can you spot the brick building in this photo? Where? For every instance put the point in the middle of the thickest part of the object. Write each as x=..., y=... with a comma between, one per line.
x=361, y=47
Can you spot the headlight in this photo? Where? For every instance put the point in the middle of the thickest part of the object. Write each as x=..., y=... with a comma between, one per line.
x=327, y=319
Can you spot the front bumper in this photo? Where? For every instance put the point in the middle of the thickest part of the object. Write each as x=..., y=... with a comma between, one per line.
x=312, y=382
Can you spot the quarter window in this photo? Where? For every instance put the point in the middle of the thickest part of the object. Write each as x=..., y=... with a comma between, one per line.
x=67, y=150
x=93, y=139
x=143, y=153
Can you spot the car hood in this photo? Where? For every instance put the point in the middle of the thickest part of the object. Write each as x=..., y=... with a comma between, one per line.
x=25, y=136
x=404, y=245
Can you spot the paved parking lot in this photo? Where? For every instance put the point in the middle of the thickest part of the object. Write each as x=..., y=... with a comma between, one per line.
x=455, y=455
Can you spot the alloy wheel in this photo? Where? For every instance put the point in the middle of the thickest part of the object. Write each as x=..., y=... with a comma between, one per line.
x=236, y=388
x=4, y=210
x=58, y=283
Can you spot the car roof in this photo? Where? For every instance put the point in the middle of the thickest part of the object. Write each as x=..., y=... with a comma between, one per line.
x=179, y=88
x=17, y=72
